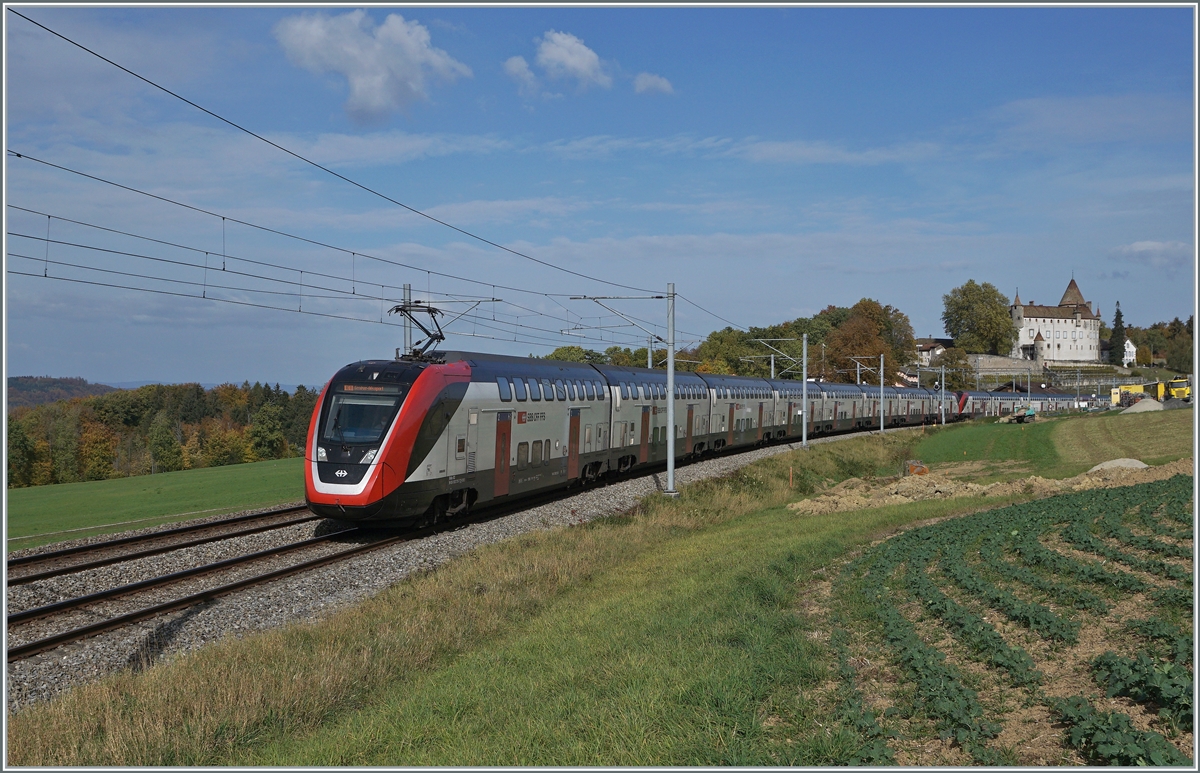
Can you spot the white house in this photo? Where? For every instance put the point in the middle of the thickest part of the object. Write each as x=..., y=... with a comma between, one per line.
x=1066, y=333
x=1130, y=356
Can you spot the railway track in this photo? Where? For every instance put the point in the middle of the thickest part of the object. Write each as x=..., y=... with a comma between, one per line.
x=41, y=566
x=61, y=616
x=40, y=628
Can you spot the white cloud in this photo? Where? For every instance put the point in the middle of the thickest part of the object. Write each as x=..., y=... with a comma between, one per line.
x=1168, y=255
x=563, y=56
x=820, y=152
x=646, y=82
x=1103, y=118
x=386, y=66
x=518, y=69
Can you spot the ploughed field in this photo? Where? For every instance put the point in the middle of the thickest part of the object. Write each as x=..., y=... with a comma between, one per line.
x=736, y=625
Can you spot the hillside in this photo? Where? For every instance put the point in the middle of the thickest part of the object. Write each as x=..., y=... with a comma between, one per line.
x=39, y=390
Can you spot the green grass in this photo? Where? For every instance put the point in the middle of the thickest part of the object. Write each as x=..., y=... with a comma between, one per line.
x=675, y=658
x=106, y=506
x=992, y=442
x=1064, y=446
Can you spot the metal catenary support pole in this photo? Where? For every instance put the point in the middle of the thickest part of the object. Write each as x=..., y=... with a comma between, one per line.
x=407, y=321
x=649, y=352
x=804, y=397
x=881, y=394
x=942, y=383
x=671, y=492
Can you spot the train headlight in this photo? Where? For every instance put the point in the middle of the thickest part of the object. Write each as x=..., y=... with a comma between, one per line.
x=369, y=456
x=321, y=455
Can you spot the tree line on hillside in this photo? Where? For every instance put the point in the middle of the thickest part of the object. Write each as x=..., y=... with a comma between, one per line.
x=837, y=336
x=37, y=390
x=155, y=428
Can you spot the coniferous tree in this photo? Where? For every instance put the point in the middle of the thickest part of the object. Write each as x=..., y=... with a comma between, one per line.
x=1116, y=350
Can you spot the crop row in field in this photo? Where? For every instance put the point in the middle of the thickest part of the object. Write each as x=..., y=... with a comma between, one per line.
x=1030, y=577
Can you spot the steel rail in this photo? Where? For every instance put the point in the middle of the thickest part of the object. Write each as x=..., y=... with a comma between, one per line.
x=50, y=642
x=36, y=557
x=166, y=579
x=35, y=576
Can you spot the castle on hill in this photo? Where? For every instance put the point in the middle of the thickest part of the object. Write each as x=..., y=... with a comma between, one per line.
x=1054, y=335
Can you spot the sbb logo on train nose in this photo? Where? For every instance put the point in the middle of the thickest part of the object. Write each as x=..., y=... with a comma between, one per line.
x=341, y=473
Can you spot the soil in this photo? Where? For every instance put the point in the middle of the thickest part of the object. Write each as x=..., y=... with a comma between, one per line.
x=1030, y=735
x=860, y=494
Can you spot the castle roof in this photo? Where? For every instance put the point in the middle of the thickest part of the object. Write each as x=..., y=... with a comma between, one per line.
x=1072, y=303
x=1072, y=297
x=1039, y=337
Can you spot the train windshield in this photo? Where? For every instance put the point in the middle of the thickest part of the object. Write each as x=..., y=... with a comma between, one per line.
x=359, y=418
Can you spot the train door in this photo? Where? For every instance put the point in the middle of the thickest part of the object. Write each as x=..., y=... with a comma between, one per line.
x=644, y=452
x=687, y=444
x=573, y=446
x=758, y=435
x=503, y=440
x=787, y=427
x=472, y=440
x=730, y=434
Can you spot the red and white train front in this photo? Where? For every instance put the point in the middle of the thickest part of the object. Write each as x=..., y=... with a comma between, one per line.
x=374, y=422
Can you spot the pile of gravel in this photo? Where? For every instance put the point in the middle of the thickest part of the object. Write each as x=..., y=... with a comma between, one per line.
x=1143, y=405
x=312, y=595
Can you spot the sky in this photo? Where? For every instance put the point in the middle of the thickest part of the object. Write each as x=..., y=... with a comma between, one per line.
x=767, y=161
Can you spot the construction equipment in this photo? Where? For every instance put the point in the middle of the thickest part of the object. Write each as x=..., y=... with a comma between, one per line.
x=1020, y=417
x=1180, y=388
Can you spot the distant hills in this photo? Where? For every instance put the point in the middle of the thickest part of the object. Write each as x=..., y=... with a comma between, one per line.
x=38, y=390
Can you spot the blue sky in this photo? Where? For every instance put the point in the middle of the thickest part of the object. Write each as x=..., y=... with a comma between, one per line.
x=767, y=161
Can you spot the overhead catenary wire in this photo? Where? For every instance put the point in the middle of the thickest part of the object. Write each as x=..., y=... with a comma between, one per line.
x=325, y=169
x=553, y=297
x=341, y=295
x=547, y=343
x=315, y=273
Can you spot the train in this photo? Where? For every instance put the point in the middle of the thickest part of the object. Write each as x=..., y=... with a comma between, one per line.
x=415, y=440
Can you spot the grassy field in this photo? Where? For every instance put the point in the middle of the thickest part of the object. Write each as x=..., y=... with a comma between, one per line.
x=1063, y=446
x=44, y=514
x=720, y=628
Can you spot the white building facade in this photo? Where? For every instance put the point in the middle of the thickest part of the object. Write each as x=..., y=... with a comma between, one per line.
x=1066, y=333
x=1130, y=356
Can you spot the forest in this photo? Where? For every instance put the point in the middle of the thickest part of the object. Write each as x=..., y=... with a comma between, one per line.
x=155, y=428
x=837, y=335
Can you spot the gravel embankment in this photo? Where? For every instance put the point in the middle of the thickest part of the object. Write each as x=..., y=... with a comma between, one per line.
x=302, y=597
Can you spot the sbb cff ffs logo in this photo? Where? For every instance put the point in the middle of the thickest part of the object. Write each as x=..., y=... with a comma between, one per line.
x=341, y=473
x=525, y=417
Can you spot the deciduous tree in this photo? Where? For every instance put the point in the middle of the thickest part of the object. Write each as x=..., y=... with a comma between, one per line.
x=977, y=317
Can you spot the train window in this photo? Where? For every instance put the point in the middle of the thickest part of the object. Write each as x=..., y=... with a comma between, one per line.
x=587, y=438
x=519, y=388
x=546, y=452
x=591, y=390
x=579, y=389
x=535, y=453
x=460, y=447
x=624, y=390
x=522, y=455
x=559, y=390
x=570, y=391
x=505, y=392
x=547, y=390
x=601, y=391
x=534, y=392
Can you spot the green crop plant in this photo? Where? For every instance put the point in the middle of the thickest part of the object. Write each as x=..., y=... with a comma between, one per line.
x=1110, y=738
x=1147, y=679
x=994, y=559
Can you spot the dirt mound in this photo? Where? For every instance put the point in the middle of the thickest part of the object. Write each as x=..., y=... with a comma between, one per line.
x=858, y=494
x=1145, y=404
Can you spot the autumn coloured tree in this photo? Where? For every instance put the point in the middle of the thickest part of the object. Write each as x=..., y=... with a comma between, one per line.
x=977, y=317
